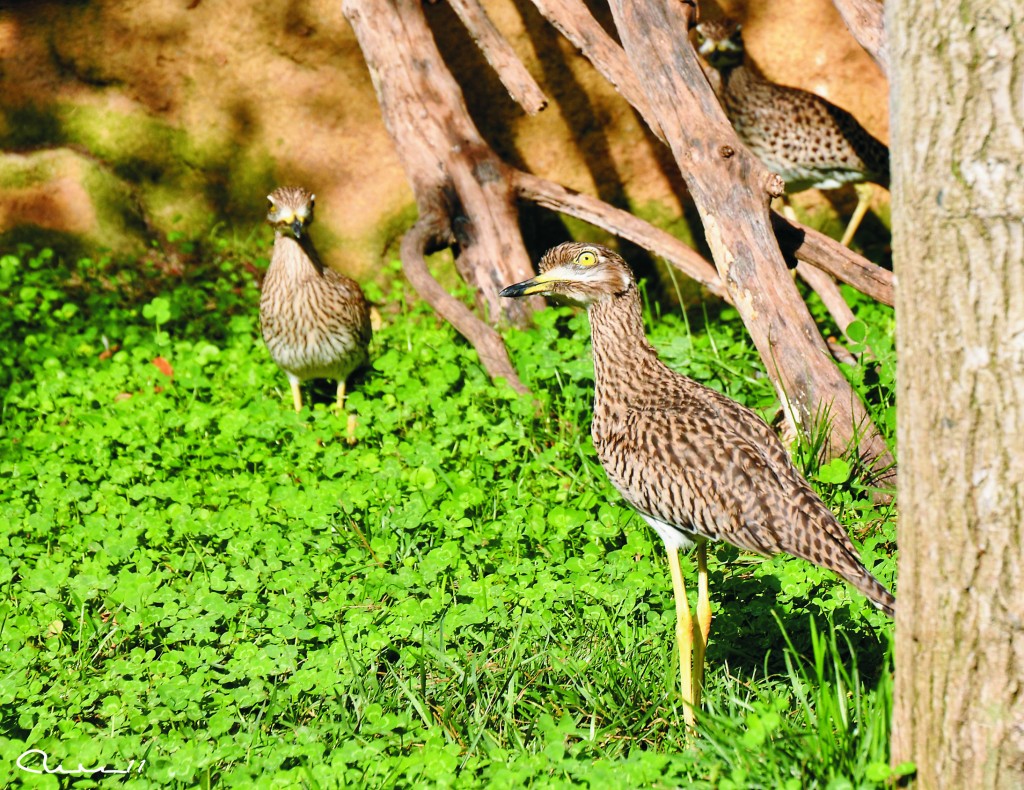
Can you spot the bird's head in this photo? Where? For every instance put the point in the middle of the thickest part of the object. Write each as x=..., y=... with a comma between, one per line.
x=720, y=43
x=291, y=210
x=577, y=272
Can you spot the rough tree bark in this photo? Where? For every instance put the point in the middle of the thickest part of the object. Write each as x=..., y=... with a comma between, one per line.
x=958, y=247
x=732, y=189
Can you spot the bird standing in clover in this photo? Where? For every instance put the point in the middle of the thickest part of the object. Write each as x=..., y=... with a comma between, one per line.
x=695, y=464
x=810, y=142
x=315, y=321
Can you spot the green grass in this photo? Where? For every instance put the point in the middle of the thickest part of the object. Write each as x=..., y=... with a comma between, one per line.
x=195, y=576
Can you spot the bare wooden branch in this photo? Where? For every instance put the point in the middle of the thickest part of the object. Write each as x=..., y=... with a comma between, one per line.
x=731, y=190
x=866, y=21
x=572, y=19
x=623, y=224
x=828, y=292
x=500, y=55
x=459, y=182
x=805, y=244
x=814, y=251
x=488, y=344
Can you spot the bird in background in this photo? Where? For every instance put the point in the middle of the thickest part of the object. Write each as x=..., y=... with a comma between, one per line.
x=808, y=141
x=696, y=465
x=315, y=321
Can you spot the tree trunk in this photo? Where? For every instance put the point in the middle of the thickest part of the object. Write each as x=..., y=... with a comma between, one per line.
x=958, y=249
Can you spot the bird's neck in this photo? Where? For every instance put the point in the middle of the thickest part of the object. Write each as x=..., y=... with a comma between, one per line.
x=737, y=76
x=617, y=330
x=296, y=255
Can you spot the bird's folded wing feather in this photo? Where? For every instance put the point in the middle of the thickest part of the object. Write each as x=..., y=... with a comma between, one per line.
x=708, y=480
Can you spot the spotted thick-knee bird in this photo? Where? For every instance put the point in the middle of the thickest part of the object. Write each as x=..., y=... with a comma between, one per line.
x=695, y=464
x=315, y=321
x=810, y=142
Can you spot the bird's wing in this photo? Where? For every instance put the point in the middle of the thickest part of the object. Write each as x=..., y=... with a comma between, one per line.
x=709, y=478
x=729, y=412
x=709, y=466
x=354, y=301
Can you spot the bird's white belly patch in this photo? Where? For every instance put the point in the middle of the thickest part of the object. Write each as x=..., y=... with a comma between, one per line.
x=674, y=538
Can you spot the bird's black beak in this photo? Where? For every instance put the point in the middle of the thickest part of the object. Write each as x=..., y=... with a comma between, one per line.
x=296, y=227
x=534, y=285
x=515, y=290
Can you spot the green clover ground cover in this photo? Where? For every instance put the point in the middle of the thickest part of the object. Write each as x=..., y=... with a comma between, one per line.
x=195, y=576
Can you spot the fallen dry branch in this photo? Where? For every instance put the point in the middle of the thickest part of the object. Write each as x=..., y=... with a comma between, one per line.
x=463, y=198
x=829, y=293
x=501, y=57
x=488, y=343
x=798, y=242
x=572, y=19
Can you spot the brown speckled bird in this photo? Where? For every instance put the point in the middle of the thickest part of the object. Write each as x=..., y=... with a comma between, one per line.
x=696, y=465
x=315, y=321
x=804, y=138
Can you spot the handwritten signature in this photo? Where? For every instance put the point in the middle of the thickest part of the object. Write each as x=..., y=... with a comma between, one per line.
x=60, y=769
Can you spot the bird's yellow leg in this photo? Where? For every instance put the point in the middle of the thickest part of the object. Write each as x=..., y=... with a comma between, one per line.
x=703, y=622
x=350, y=423
x=296, y=392
x=787, y=209
x=684, y=636
x=863, y=199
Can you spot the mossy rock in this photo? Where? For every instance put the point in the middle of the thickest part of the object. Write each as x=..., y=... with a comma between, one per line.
x=69, y=201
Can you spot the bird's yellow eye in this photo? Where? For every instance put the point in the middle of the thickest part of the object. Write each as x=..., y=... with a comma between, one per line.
x=586, y=258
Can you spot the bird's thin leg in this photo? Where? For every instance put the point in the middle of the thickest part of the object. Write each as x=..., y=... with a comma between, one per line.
x=350, y=423
x=296, y=392
x=684, y=636
x=341, y=395
x=703, y=622
x=863, y=198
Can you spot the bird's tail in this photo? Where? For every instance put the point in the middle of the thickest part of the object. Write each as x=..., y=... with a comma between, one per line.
x=873, y=590
x=844, y=559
